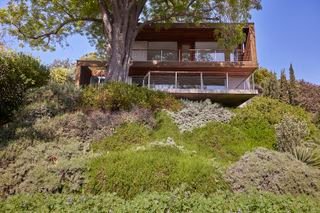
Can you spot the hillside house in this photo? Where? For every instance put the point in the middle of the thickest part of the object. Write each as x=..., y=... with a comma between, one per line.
x=185, y=60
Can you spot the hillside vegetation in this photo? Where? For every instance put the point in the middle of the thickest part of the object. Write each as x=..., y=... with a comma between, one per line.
x=118, y=147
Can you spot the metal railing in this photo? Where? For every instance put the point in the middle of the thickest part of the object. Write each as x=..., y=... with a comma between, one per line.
x=195, y=55
x=168, y=80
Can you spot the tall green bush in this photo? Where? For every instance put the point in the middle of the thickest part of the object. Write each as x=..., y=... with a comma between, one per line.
x=18, y=72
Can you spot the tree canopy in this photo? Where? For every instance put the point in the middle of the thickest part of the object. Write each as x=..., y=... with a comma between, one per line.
x=111, y=25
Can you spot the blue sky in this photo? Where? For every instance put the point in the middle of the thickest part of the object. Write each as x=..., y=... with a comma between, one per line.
x=286, y=31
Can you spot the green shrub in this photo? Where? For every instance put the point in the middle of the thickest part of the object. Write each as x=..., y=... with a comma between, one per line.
x=162, y=202
x=124, y=137
x=272, y=171
x=291, y=132
x=162, y=169
x=273, y=110
x=119, y=96
x=226, y=143
x=18, y=72
x=59, y=75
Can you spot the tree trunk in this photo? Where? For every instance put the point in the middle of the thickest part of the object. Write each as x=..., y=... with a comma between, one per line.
x=121, y=46
x=120, y=28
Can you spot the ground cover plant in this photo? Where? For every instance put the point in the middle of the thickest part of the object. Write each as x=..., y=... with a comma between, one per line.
x=178, y=201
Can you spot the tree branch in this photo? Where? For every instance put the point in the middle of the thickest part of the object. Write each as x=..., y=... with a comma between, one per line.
x=57, y=30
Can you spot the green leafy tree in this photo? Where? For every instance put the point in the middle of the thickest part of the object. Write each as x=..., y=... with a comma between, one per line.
x=113, y=24
x=271, y=87
x=262, y=75
x=293, y=93
x=284, y=96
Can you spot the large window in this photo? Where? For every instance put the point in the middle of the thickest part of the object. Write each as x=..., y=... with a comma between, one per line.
x=160, y=51
x=163, y=51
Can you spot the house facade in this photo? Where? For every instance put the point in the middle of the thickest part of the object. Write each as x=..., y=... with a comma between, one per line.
x=185, y=60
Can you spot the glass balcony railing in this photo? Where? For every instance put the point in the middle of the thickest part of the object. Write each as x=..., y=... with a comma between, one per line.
x=192, y=55
x=186, y=80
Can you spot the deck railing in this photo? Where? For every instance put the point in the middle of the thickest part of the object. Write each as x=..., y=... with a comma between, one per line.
x=196, y=55
x=170, y=80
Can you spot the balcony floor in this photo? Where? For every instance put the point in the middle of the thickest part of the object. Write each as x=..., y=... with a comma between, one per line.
x=226, y=97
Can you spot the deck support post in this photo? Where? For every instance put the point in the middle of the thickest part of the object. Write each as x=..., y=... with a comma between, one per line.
x=201, y=81
x=227, y=80
x=176, y=80
x=149, y=76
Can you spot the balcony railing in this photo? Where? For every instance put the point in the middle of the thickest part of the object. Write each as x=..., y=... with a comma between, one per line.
x=195, y=55
x=202, y=81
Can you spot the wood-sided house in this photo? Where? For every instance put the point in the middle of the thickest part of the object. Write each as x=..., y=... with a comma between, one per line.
x=185, y=60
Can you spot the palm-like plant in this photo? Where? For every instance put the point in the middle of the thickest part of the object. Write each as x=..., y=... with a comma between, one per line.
x=306, y=155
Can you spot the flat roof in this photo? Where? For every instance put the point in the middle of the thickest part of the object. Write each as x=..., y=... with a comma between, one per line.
x=194, y=25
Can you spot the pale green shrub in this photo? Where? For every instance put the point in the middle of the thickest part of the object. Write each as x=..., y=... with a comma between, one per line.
x=291, y=132
x=198, y=114
x=272, y=171
x=46, y=167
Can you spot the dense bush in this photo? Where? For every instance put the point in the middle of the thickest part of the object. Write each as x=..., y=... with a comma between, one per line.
x=291, y=132
x=198, y=114
x=258, y=118
x=272, y=171
x=59, y=75
x=47, y=101
x=129, y=173
x=225, y=142
x=179, y=201
x=119, y=96
x=89, y=127
x=18, y=72
x=46, y=167
x=40, y=103
x=125, y=136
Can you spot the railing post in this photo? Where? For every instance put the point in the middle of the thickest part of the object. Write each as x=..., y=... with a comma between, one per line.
x=201, y=81
x=149, y=76
x=215, y=55
x=253, y=83
x=176, y=80
x=196, y=57
x=160, y=55
x=227, y=78
x=179, y=55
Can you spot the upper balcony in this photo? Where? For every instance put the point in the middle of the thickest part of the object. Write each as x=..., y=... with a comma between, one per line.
x=189, y=55
x=191, y=48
